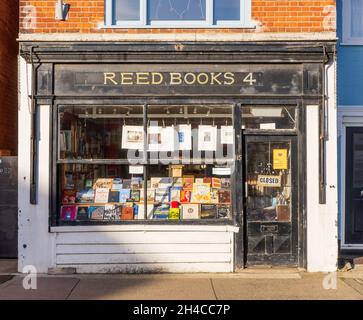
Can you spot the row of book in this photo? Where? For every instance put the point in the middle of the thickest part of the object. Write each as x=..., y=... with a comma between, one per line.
x=131, y=211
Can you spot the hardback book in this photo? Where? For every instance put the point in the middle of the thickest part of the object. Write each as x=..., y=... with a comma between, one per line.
x=96, y=212
x=135, y=195
x=103, y=183
x=124, y=195
x=188, y=182
x=201, y=193
x=185, y=196
x=225, y=183
x=216, y=183
x=114, y=196
x=82, y=214
x=224, y=196
x=136, y=183
x=69, y=196
x=101, y=195
x=174, y=194
x=174, y=213
x=161, y=211
x=117, y=184
x=208, y=211
x=214, y=196
x=207, y=180
x=126, y=184
x=127, y=212
x=140, y=212
x=190, y=211
x=112, y=212
x=68, y=213
x=162, y=195
x=224, y=212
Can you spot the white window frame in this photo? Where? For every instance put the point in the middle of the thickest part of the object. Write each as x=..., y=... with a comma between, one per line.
x=244, y=22
x=347, y=38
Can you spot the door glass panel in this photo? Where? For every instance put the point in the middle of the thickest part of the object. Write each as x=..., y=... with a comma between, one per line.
x=357, y=160
x=269, y=181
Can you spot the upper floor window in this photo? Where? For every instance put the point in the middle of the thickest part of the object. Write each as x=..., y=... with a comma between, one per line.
x=178, y=13
x=353, y=22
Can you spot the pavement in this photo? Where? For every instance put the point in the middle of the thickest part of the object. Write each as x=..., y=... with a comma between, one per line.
x=249, y=284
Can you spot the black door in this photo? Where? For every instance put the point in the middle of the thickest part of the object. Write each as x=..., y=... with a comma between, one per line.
x=354, y=187
x=271, y=209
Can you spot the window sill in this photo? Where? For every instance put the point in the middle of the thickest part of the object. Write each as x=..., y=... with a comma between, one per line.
x=351, y=44
x=232, y=26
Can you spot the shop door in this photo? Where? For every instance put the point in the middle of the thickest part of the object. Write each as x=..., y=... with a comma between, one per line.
x=271, y=209
x=354, y=187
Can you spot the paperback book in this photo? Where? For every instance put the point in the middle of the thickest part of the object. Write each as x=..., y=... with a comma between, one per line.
x=208, y=211
x=127, y=212
x=82, y=214
x=124, y=195
x=190, y=211
x=101, y=195
x=96, y=212
x=68, y=213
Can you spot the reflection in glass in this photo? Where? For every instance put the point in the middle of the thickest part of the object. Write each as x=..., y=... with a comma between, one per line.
x=127, y=10
x=227, y=10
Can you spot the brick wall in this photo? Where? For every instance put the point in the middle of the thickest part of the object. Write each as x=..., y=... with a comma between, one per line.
x=270, y=16
x=9, y=17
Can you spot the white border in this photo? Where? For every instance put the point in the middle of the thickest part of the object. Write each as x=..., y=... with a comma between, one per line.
x=346, y=24
x=348, y=116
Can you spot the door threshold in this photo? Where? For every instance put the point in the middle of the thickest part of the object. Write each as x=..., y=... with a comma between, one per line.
x=267, y=272
x=270, y=269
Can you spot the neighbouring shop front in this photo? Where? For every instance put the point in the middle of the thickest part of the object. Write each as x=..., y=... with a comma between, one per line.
x=170, y=157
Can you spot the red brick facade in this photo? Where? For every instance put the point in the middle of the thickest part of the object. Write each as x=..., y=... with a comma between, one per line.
x=270, y=15
x=9, y=17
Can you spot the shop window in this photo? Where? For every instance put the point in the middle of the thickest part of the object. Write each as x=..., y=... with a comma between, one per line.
x=352, y=22
x=179, y=13
x=110, y=170
x=269, y=117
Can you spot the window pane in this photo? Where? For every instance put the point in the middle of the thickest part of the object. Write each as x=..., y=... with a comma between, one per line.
x=101, y=133
x=357, y=18
x=227, y=10
x=127, y=10
x=168, y=10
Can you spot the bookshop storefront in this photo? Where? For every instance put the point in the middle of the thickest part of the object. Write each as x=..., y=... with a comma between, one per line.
x=172, y=158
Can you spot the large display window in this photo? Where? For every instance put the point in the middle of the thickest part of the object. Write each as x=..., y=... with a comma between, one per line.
x=155, y=162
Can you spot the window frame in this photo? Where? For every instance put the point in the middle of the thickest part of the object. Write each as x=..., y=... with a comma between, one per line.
x=346, y=26
x=244, y=22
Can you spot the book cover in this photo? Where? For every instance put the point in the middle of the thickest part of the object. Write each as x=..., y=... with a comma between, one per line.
x=127, y=212
x=114, y=196
x=69, y=181
x=190, y=211
x=112, y=212
x=188, y=183
x=103, y=183
x=224, y=212
x=178, y=182
x=216, y=183
x=225, y=183
x=174, y=213
x=225, y=196
x=150, y=195
x=207, y=180
x=214, y=196
x=117, y=184
x=161, y=211
x=199, y=181
x=135, y=195
x=96, y=212
x=82, y=214
x=154, y=182
x=174, y=194
x=101, y=195
x=124, y=195
x=201, y=193
x=208, y=211
x=136, y=183
x=185, y=196
x=88, y=183
x=69, y=196
x=162, y=195
x=140, y=212
x=126, y=184
x=68, y=213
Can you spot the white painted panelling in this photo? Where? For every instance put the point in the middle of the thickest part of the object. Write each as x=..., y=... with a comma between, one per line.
x=143, y=248
x=142, y=237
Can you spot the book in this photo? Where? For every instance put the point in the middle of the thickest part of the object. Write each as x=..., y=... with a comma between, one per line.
x=224, y=196
x=140, y=212
x=124, y=195
x=225, y=183
x=216, y=183
x=88, y=183
x=208, y=211
x=207, y=180
x=114, y=196
x=154, y=182
x=68, y=213
x=174, y=213
x=199, y=181
x=82, y=214
x=161, y=211
x=69, y=181
x=178, y=182
x=135, y=195
x=117, y=184
x=69, y=196
x=127, y=212
x=103, y=183
x=190, y=211
x=185, y=196
x=201, y=193
x=188, y=183
x=136, y=183
x=126, y=184
x=96, y=212
x=174, y=194
x=101, y=195
x=150, y=195
x=162, y=195
x=224, y=212
x=112, y=212
x=214, y=196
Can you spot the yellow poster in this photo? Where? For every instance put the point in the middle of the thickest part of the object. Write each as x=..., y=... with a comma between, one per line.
x=280, y=159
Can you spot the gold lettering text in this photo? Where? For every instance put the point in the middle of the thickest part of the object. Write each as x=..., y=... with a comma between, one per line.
x=188, y=76
x=214, y=78
x=109, y=76
x=175, y=78
x=203, y=78
x=230, y=77
x=142, y=78
x=155, y=76
x=126, y=78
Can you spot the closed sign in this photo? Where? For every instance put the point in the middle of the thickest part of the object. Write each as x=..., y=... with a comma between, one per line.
x=269, y=181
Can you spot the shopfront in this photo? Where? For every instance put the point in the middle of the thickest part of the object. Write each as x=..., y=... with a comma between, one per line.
x=177, y=157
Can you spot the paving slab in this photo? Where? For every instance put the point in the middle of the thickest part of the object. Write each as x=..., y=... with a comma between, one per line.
x=143, y=289
x=47, y=289
x=8, y=266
